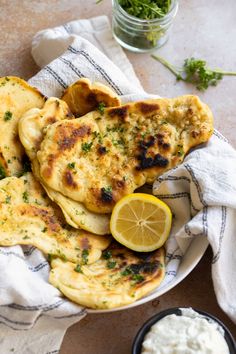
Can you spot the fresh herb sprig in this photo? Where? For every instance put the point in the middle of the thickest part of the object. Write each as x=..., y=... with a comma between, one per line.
x=145, y=9
x=196, y=72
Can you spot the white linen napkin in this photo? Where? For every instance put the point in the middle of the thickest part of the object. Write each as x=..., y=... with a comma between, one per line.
x=201, y=193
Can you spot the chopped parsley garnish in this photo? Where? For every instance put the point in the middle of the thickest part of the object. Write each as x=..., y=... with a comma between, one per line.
x=126, y=272
x=180, y=150
x=86, y=147
x=61, y=255
x=7, y=116
x=8, y=199
x=98, y=136
x=120, y=142
x=44, y=229
x=26, y=237
x=106, y=254
x=85, y=254
x=138, y=278
x=108, y=189
x=95, y=134
x=25, y=197
x=111, y=264
x=2, y=172
x=50, y=257
x=78, y=269
x=71, y=165
x=101, y=107
x=116, y=128
x=133, y=272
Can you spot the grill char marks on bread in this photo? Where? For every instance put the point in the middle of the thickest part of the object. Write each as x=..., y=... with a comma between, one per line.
x=118, y=278
x=140, y=141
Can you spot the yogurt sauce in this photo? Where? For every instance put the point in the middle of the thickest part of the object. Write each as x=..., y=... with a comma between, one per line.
x=190, y=333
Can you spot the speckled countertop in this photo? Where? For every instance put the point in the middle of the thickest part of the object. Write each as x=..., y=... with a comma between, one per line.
x=205, y=29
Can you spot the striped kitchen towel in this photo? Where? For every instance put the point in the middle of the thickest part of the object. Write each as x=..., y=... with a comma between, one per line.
x=201, y=193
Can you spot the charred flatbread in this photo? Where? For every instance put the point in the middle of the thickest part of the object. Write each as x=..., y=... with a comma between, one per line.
x=16, y=97
x=99, y=158
x=83, y=97
x=119, y=278
x=32, y=128
x=27, y=217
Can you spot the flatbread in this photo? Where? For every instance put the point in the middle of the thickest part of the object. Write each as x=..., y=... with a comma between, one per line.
x=99, y=158
x=16, y=97
x=32, y=127
x=119, y=278
x=27, y=217
x=83, y=97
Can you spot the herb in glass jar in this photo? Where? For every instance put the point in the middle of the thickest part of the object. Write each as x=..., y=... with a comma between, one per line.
x=142, y=25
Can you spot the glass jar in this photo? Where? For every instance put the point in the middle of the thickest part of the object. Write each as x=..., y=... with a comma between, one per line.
x=140, y=35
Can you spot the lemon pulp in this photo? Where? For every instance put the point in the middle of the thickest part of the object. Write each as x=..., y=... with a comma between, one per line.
x=141, y=222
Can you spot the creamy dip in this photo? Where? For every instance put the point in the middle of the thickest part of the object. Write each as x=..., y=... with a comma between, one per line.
x=190, y=333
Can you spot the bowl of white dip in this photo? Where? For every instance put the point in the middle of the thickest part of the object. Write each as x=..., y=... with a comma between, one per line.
x=183, y=331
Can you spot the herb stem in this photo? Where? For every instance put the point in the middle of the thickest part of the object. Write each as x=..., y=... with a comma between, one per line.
x=167, y=65
x=228, y=73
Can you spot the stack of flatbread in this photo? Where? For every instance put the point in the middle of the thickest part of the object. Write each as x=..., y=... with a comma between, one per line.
x=64, y=164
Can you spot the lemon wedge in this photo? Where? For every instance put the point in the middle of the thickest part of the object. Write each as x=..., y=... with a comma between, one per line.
x=141, y=222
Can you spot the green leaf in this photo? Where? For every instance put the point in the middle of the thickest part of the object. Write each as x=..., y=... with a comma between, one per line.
x=78, y=269
x=7, y=116
x=86, y=147
x=138, y=278
x=8, y=199
x=85, y=254
x=2, y=172
x=71, y=165
x=111, y=264
x=106, y=254
x=101, y=107
x=25, y=197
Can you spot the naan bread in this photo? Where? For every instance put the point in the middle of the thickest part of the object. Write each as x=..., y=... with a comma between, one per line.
x=83, y=97
x=27, y=217
x=16, y=97
x=99, y=158
x=119, y=278
x=31, y=132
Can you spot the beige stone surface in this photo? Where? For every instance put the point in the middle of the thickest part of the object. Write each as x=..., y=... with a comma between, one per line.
x=204, y=29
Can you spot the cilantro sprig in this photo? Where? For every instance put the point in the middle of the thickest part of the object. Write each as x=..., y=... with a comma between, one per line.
x=196, y=72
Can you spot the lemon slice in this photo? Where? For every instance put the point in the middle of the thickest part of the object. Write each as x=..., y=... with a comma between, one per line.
x=141, y=222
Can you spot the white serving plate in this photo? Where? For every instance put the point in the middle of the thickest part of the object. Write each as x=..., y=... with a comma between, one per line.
x=193, y=255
